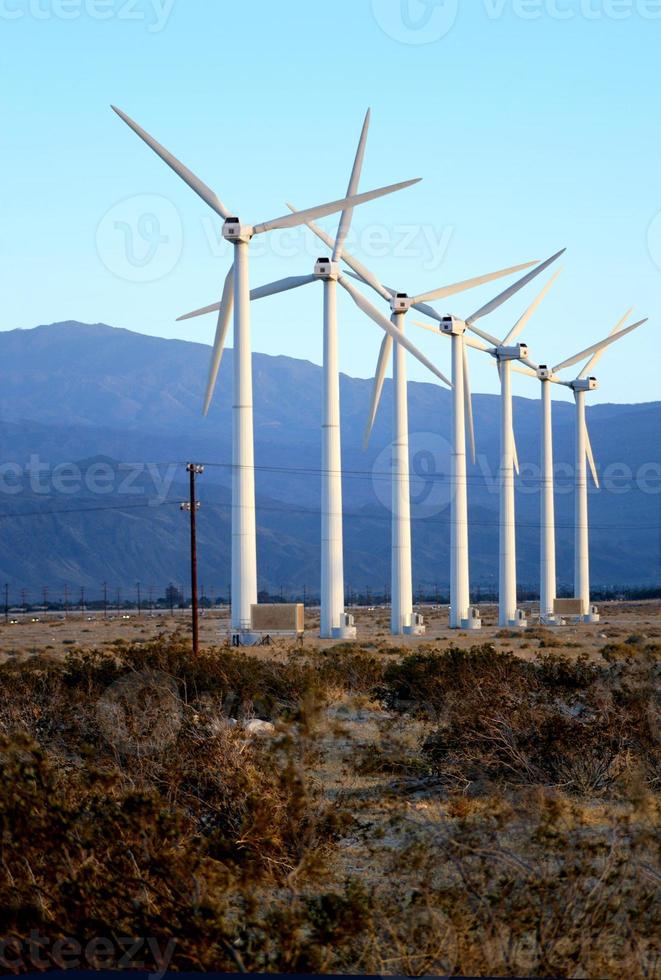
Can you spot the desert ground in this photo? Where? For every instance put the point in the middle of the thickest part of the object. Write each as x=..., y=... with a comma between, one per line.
x=454, y=804
x=27, y=634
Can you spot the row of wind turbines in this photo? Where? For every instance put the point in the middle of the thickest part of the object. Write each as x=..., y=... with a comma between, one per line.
x=509, y=353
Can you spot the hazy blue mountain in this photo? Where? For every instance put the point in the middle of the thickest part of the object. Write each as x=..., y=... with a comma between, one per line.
x=130, y=404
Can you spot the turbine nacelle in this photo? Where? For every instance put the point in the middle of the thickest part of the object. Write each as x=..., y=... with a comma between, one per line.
x=545, y=373
x=453, y=326
x=325, y=268
x=518, y=352
x=401, y=303
x=234, y=231
x=584, y=384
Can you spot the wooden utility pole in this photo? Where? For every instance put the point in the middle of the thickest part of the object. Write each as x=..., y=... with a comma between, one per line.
x=193, y=506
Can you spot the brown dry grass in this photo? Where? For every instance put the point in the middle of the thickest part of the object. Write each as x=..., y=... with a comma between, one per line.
x=451, y=811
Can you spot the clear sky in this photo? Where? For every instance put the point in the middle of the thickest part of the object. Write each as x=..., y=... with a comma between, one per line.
x=534, y=123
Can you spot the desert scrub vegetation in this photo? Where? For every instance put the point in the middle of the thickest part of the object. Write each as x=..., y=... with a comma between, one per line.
x=498, y=816
x=552, y=722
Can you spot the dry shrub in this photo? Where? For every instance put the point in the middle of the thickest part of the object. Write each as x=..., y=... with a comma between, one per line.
x=464, y=898
x=554, y=721
x=131, y=805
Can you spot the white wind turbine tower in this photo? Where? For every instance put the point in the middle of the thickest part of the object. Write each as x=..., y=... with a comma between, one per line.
x=335, y=623
x=402, y=620
x=583, y=383
x=462, y=616
x=506, y=352
x=236, y=292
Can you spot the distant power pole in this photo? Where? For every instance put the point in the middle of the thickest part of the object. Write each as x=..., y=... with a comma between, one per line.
x=82, y=601
x=192, y=506
x=137, y=589
x=66, y=601
x=6, y=602
x=105, y=600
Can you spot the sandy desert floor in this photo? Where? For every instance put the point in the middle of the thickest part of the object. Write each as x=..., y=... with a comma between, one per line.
x=25, y=635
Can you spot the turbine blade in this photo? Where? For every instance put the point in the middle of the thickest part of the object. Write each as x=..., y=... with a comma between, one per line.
x=594, y=360
x=390, y=328
x=468, y=402
x=213, y=308
x=477, y=344
x=281, y=286
x=321, y=210
x=368, y=279
x=513, y=289
x=590, y=455
x=460, y=287
x=488, y=337
x=363, y=273
x=469, y=341
x=379, y=378
x=520, y=369
x=186, y=175
x=224, y=316
x=427, y=326
x=521, y=324
x=427, y=310
x=597, y=348
x=347, y=215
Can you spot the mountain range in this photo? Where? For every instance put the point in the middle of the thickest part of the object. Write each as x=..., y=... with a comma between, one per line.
x=97, y=423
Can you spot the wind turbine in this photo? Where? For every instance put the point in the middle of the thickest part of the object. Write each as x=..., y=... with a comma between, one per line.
x=505, y=352
x=580, y=386
x=462, y=616
x=236, y=292
x=402, y=620
x=335, y=623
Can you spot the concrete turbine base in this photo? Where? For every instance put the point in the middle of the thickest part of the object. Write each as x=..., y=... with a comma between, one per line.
x=471, y=624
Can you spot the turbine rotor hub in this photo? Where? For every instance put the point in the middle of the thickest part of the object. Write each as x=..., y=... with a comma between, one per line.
x=326, y=269
x=585, y=384
x=234, y=231
x=515, y=353
x=400, y=303
x=453, y=326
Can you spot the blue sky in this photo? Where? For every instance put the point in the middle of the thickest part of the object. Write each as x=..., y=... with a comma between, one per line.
x=534, y=124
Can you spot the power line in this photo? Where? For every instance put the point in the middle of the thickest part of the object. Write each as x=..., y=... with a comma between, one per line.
x=313, y=512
